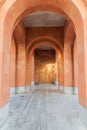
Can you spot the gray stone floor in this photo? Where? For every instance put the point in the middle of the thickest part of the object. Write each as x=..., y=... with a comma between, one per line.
x=44, y=110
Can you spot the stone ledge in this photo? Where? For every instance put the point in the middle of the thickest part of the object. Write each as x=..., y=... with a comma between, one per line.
x=57, y=84
x=19, y=90
x=24, y=90
x=71, y=90
x=61, y=87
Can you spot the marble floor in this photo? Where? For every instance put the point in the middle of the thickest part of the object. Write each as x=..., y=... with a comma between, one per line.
x=43, y=110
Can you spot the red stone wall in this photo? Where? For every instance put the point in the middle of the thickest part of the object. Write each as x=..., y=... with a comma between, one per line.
x=69, y=36
x=18, y=57
x=54, y=32
x=75, y=54
x=13, y=64
x=60, y=69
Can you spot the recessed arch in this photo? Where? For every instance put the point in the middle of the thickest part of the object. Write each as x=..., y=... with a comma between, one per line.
x=17, y=10
x=33, y=6
x=43, y=60
x=31, y=49
x=47, y=40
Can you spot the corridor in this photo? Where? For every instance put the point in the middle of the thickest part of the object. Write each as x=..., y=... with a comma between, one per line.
x=42, y=109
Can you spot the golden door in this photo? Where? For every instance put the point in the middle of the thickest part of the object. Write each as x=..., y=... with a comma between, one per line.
x=45, y=70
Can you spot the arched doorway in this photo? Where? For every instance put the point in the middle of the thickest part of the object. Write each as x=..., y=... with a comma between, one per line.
x=9, y=9
x=47, y=42
x=45, y=65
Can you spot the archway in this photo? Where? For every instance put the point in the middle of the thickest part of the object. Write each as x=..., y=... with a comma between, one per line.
x=44, y=41
x=44, y=69
x=7, y=26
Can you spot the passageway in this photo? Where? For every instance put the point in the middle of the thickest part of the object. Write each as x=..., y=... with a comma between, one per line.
x=43, y=41
x=44, y=110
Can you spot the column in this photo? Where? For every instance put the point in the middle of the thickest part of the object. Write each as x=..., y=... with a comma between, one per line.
x=57, y=70
x=32, y=69
x=68, y=68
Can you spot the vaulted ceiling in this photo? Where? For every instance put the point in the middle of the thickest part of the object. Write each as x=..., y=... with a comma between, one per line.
x=44, y=19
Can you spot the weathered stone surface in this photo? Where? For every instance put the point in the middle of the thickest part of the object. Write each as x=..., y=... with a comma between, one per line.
x=44, y=109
